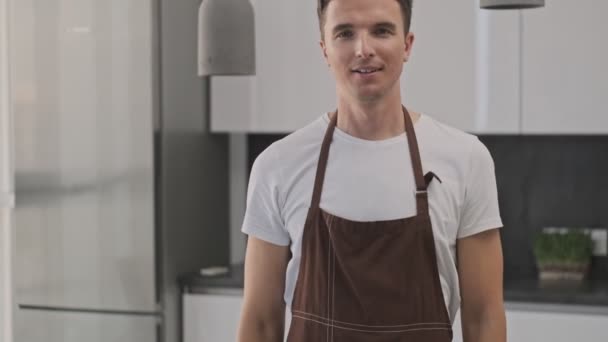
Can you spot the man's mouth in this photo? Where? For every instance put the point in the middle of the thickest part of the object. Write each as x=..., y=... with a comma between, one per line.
x=366, y=71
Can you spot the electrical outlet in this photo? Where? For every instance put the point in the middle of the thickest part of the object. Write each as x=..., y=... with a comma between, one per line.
x=600, y=242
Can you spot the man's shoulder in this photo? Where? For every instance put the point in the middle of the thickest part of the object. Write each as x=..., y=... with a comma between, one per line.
x=449, y=138
x=309, y=135
x=457, y=147
x=290, y=149
x=305, y=135
x=444, y=131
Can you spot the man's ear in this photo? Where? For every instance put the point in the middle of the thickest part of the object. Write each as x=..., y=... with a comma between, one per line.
x=324, y=51
x=409, y=43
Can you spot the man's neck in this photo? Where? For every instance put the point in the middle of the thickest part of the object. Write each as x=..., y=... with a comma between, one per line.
x=374, y=120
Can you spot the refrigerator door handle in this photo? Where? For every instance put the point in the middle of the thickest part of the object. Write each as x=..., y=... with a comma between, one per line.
x=7, y=200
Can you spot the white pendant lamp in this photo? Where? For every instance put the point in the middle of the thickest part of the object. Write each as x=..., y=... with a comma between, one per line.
x=226, y=38
x=511, y=4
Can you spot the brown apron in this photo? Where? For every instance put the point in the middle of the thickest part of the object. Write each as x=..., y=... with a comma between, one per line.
x=369, y=281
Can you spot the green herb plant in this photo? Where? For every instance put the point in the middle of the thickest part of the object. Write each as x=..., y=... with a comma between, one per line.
x=569, y=250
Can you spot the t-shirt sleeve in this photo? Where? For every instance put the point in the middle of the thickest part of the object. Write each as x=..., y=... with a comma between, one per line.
x=263, y=211
x=480, y=210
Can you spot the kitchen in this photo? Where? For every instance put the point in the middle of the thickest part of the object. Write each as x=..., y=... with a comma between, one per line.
x=500, y=75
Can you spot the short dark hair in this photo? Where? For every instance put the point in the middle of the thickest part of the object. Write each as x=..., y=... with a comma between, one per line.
x=406, y=13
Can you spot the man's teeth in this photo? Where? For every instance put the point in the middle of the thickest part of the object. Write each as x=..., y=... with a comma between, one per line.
x=366, y=71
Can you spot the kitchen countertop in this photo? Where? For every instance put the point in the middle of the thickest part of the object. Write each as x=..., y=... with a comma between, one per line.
x=590, y=292
x=591, y=296
x=231, y=283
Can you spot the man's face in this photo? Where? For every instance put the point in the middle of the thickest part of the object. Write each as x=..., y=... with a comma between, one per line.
x=365, y=45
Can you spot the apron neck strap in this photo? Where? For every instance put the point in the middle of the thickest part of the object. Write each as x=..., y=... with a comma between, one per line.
x=421, y=184
x=412, y=142
x=322, y=165
x=422, y=203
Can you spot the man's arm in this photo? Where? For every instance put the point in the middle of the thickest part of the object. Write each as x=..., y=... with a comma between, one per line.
x=480, y=269
x=263, y=312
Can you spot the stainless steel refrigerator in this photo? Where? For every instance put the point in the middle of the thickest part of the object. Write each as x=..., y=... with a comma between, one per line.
x=119, y=185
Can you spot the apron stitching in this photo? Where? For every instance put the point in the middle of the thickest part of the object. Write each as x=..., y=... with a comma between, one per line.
x=330, y=253
x=333, y=294
x=369, y=330
x=328, y=274
x=371, y=326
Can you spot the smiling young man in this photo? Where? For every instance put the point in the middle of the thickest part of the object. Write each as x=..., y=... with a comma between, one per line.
x=372, y=223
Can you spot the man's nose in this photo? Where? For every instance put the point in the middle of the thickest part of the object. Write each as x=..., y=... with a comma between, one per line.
x=364, y=48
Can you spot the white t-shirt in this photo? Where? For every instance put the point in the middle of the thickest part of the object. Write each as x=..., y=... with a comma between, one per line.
x=373, y=180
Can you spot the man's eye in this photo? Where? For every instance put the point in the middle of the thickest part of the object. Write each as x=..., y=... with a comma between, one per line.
x=345, y=34
x=383, y=31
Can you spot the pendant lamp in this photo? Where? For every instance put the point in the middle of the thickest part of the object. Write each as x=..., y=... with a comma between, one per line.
x=226, y=38
x=511, y=4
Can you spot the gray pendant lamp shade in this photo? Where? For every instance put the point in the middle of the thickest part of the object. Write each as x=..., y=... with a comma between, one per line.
x=511, y=4
x=226, y=38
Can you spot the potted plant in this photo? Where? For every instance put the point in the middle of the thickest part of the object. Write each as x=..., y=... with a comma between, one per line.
x=563, y=255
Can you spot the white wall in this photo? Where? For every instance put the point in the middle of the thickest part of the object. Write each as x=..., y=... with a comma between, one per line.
x=6, y=188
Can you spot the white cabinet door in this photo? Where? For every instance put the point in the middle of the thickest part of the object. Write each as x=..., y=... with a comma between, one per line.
x=211, y=318
x=464, y=66
x=440, y=77
x=498, y=70
x=292, y=86
x=58, y=326
x=6, y=185
x=556, y=327
x=565, y=77
x=6, y=177
x=551, y=327
x=82, y=99
x=459, y=72
x=215, y=318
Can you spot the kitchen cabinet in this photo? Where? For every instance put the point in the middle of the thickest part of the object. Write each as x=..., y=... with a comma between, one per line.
x=463, y=70
x=498, y=64
x=6, y=187
x=565, y=77
x=292, y=85
x=555, y=327
x=52, y=325
x=440, y=77
x=214, y=317
x=548, y=326
x=211, y=317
